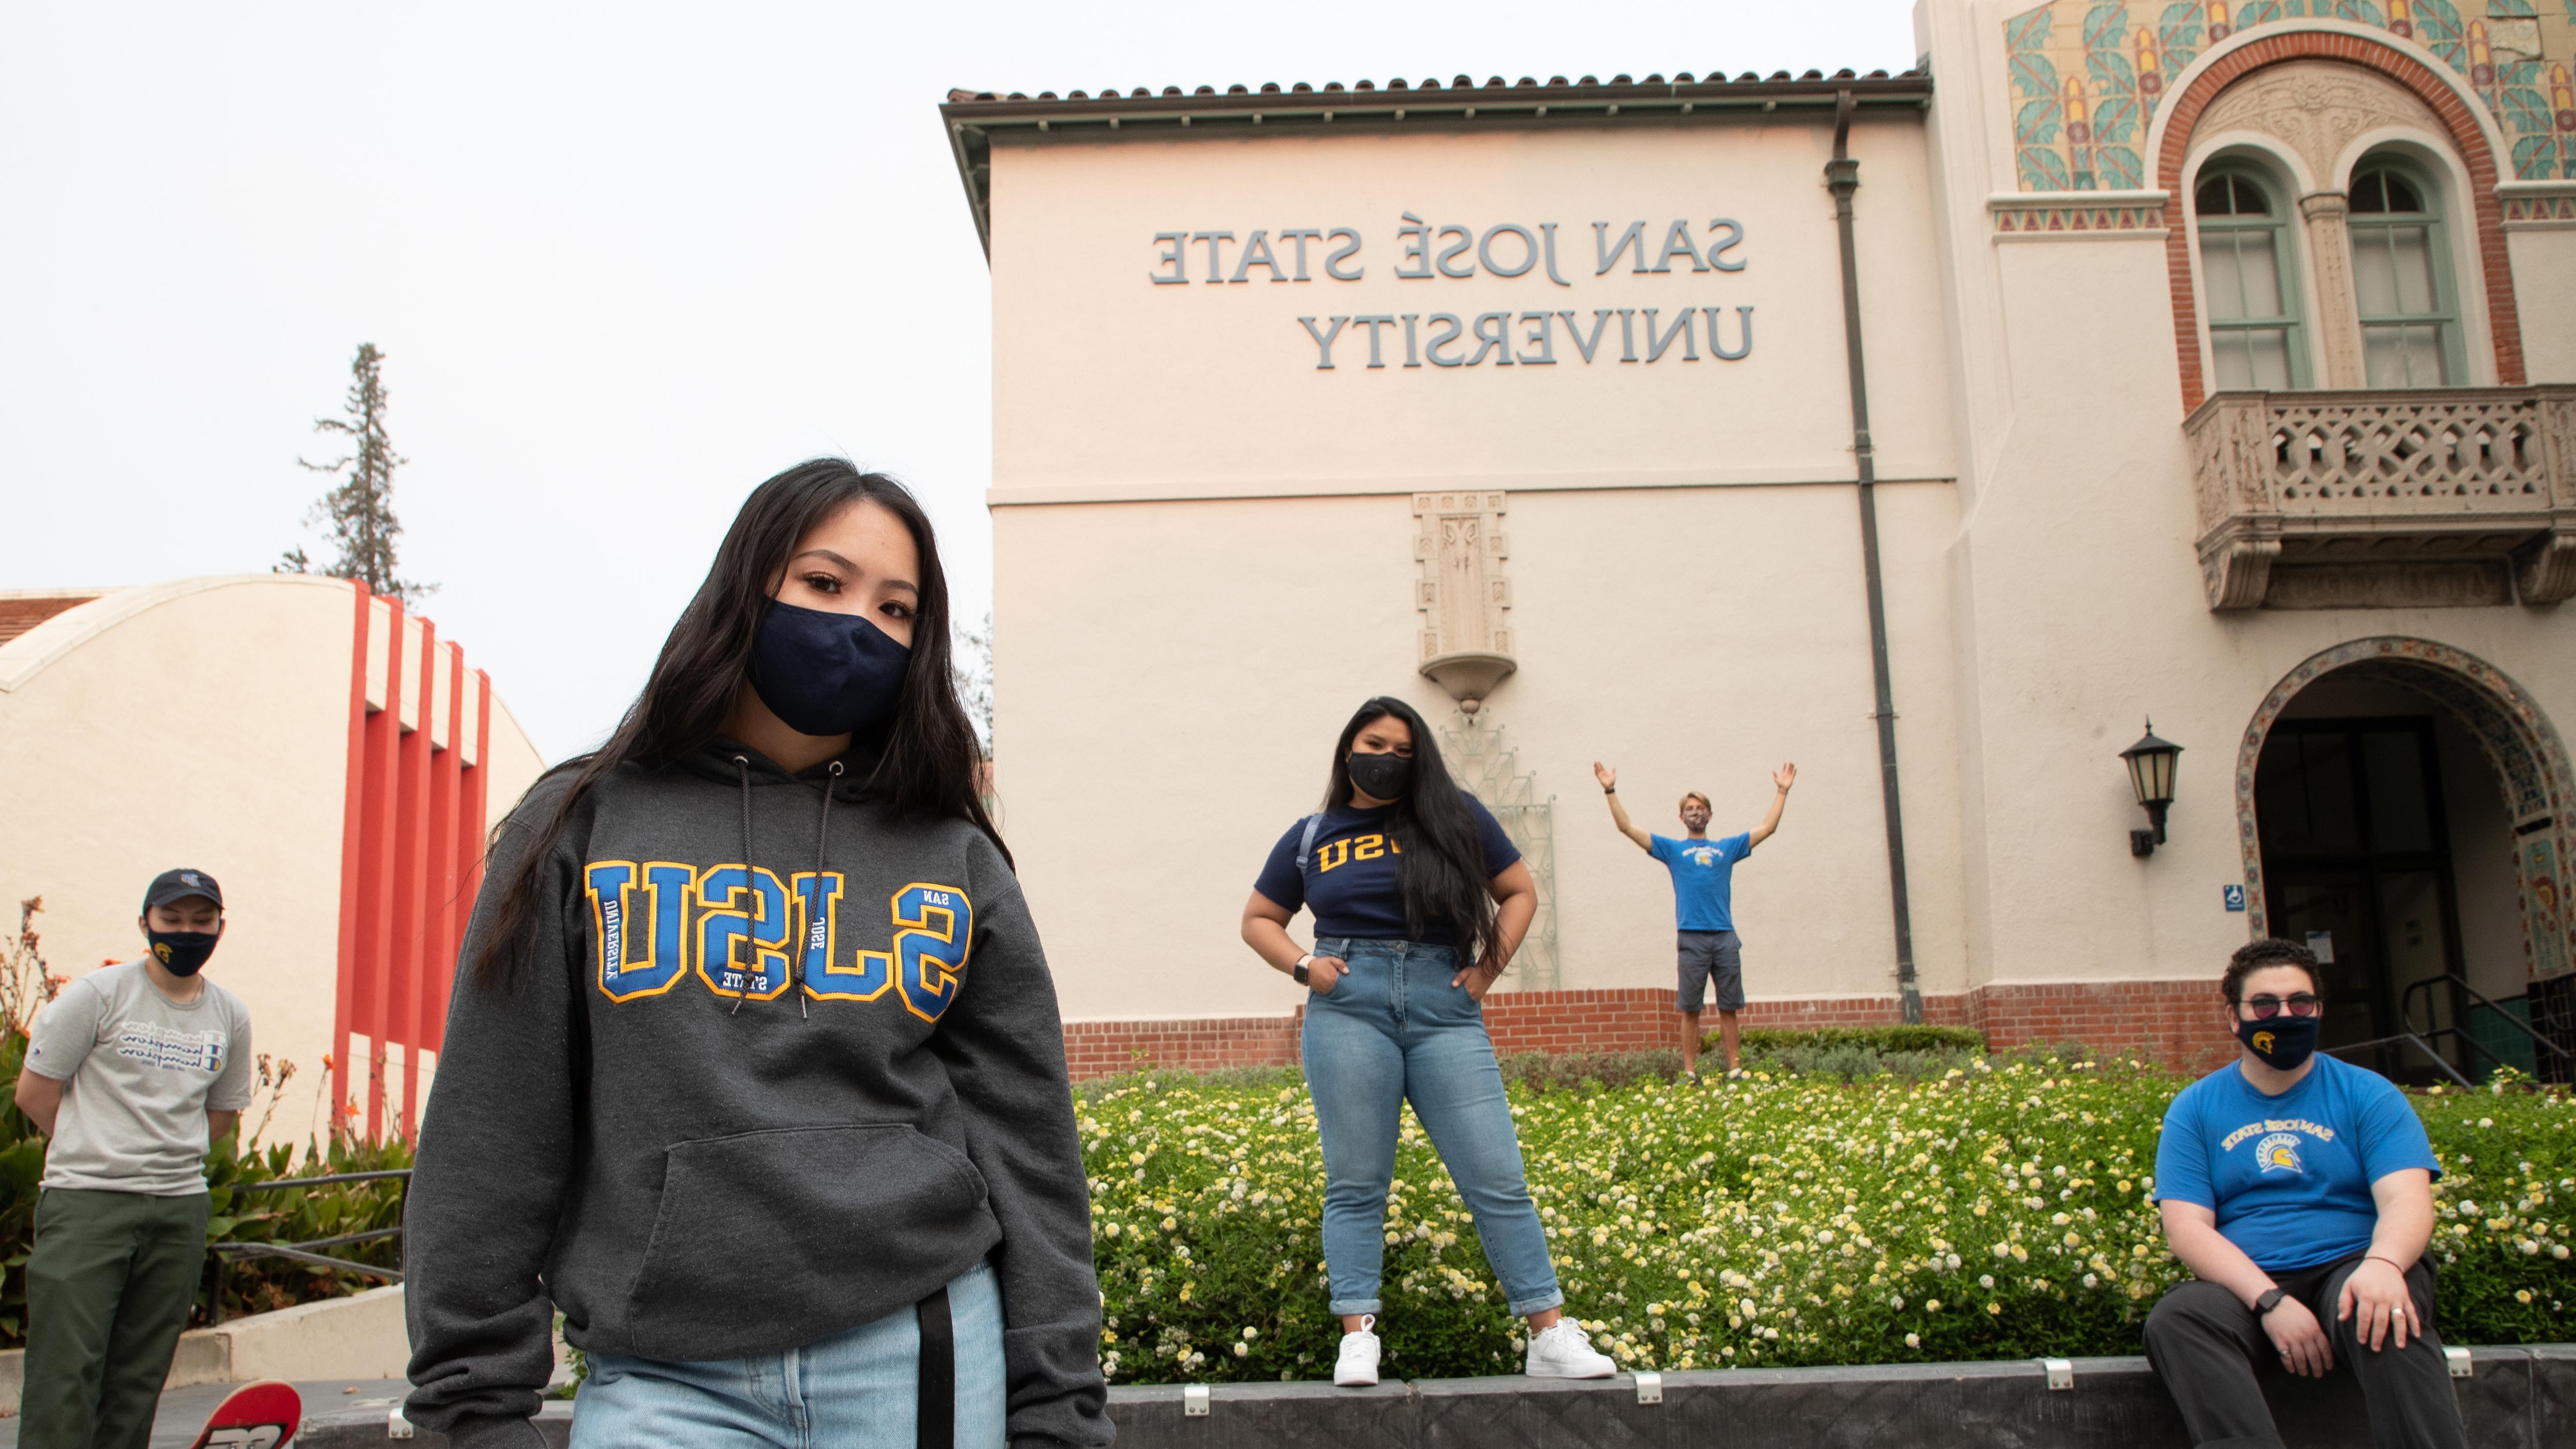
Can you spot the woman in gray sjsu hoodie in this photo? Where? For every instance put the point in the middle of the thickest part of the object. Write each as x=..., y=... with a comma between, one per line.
x=753, y=1067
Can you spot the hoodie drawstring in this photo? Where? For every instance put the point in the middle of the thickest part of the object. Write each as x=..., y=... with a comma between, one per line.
x=822, y=850
x=742, y=772
x=822, y=847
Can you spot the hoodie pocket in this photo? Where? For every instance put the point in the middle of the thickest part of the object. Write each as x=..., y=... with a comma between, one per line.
x=770, y=1240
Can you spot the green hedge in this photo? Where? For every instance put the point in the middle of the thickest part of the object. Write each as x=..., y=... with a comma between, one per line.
x=1996, y=1211
x=1869, y=1038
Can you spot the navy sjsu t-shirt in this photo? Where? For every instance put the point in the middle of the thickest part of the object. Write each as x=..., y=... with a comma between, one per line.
x=2289, y=1176
x=1349, y=881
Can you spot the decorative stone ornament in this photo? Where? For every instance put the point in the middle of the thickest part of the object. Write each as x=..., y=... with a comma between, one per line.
x=2421, y=497
x=1459, y=543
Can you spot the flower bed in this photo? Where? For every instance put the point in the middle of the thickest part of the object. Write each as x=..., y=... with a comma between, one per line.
x=1998, y=1211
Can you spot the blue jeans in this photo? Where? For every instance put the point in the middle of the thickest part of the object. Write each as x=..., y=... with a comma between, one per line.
x=1393, y=1030
x=855, y=1390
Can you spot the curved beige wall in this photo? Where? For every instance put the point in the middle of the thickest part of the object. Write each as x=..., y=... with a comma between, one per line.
x=200, y=723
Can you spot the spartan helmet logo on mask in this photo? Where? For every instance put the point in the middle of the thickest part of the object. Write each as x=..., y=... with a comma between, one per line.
x=2262, y=1041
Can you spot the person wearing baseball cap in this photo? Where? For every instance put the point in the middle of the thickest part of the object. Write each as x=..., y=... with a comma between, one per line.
x=134, y=1071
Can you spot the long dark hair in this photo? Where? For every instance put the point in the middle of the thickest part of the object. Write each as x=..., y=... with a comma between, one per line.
x=1441, y=869
x=930, y=758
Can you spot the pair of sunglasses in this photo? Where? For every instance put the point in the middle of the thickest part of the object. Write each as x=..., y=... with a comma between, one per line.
x=2267, y=1007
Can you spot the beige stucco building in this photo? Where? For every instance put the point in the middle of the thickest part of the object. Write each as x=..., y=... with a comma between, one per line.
x=327, y=758
x=2218, y=369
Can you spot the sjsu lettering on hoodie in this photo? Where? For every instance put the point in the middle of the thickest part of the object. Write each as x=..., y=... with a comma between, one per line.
x=733, y=927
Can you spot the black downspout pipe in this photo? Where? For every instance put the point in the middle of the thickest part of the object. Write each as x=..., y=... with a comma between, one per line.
x=1842, y=177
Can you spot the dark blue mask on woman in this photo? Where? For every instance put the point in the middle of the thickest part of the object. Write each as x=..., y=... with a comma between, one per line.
x=823, y=673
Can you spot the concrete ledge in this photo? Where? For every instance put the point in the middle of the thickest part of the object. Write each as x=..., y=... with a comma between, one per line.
x=2517, y=1398
x=358, y=1337
x=369, y=1421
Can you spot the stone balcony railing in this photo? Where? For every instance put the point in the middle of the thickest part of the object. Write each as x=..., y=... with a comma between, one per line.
x=2428, y=496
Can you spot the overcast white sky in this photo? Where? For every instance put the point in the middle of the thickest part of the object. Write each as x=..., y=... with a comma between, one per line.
x=625, y=261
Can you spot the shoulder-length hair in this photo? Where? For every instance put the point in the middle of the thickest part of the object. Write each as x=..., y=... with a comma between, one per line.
x=1441, y=868
x=929, y=758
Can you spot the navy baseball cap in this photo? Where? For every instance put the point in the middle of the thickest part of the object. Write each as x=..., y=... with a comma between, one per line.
x=178, y=885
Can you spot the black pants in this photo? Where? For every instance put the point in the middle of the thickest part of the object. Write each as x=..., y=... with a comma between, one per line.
x=2208, y=1347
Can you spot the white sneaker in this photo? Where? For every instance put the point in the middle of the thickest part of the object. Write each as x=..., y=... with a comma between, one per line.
x=1357, y=1367
x=1561, y=1351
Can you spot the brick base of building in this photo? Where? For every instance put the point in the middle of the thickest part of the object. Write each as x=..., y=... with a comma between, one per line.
x=2173, y=1022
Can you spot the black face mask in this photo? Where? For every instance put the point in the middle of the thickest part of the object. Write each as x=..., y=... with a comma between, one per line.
x=823, y=673
x=1385, y=777
x=2283, y=1041
x=182, y=953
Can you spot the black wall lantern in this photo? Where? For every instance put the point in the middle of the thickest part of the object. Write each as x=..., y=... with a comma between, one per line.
x=2151, y=774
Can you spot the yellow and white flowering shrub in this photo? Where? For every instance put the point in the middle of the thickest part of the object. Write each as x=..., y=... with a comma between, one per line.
x=2001, y=1211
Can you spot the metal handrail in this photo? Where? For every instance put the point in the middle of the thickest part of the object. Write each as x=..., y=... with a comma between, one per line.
x=2406, y=1009
x=2401, y=1039
x=223, y=1254
x=253, y=1250
x=267, y=1183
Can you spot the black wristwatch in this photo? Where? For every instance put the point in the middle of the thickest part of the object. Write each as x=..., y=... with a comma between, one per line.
x=1299, y=970
x=2270, y=1300
x=1609, y=789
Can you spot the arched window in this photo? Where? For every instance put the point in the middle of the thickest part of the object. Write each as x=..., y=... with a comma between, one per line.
x=2401, y=280
x=2247, y=283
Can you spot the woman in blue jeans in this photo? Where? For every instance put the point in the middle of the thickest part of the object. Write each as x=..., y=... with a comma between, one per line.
x=1419, y=900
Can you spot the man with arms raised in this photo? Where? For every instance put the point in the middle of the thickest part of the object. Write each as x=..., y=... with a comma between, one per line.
x=1704, y=904
x=2298, y=1190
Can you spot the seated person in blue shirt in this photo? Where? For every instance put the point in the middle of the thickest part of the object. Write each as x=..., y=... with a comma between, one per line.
x=2298, y=1190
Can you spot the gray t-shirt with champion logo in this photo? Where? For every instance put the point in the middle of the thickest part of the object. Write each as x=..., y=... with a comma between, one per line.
x=140, y=1072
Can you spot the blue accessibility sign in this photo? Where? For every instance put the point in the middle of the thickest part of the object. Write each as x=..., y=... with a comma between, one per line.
x=2234, y=895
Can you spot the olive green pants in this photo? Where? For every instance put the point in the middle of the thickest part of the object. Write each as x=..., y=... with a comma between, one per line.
x=109, y=1285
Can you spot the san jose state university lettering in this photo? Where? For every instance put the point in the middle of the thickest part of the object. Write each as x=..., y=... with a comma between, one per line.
x=1430, y=251
x=732, y=927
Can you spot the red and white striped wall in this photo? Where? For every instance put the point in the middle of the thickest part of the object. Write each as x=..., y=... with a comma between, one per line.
x=418, y=798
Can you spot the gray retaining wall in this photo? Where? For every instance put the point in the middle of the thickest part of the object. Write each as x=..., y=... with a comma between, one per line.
x=2515, y=1398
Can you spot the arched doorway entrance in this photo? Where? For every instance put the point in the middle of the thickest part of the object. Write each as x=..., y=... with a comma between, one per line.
x=2405, y=807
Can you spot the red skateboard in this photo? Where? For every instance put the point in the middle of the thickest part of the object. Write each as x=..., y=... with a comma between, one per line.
x=254, y=1416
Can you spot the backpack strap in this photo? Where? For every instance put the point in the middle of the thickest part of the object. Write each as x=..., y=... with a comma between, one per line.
x=1306, y=842
x=935, y=1423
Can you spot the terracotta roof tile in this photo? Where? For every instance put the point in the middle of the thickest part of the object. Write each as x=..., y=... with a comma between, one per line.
x=975, y=117
x=1717, y=78
x=20, y=612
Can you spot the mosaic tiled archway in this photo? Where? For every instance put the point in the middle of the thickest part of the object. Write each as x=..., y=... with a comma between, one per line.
x=2528, y=757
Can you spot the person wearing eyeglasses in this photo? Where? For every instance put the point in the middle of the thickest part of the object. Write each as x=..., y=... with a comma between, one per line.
x=2298, y=1190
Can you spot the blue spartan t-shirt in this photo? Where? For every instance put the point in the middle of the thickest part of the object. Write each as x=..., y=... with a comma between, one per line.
x=1349, y=881
x=1703, y=879
x=2289, y=1176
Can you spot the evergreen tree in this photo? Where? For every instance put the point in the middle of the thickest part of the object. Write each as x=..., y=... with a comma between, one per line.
x=360, y=511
